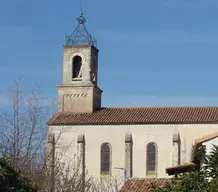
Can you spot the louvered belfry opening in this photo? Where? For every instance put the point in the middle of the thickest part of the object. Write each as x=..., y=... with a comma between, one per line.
x=77, y=64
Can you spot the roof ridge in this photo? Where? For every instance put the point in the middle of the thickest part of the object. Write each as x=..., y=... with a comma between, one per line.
x=158, y=107
x=149, y=178
x=206, y=138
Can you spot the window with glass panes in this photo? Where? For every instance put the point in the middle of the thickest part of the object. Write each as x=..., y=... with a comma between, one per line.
x=105, y=158
x=151, y=157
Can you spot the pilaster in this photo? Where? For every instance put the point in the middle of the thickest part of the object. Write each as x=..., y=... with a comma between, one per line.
x=128, y=155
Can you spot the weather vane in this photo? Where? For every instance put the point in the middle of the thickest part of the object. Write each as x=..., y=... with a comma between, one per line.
x=80, y=36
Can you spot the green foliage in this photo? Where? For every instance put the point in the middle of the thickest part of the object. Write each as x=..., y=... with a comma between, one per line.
x=12, y=180
x=203, y=180
x=192, y=182
x=211, y=163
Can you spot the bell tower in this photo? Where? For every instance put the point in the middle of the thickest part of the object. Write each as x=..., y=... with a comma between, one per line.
x=79, y=92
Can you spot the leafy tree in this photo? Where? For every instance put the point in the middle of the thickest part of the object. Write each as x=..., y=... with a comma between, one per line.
x=204, y=179
x=12, y=180
x=211, y=168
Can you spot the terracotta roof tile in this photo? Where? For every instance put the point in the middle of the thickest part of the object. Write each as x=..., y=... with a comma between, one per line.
x=155, y=115
x=206, y=138
x=141, y=185
x=180, y=168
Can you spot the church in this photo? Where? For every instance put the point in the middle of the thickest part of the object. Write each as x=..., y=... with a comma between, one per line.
x=128, y=142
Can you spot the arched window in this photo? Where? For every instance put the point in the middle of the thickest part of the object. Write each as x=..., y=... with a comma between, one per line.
x=76, y=69
x=105, y=158
x=151, y=158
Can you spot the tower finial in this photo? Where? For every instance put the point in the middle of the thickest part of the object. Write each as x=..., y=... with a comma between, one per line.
x=80, y=36
x=81, y=19
x=81, y=6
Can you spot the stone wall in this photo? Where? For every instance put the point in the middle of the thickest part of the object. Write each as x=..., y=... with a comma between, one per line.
x=162, y=135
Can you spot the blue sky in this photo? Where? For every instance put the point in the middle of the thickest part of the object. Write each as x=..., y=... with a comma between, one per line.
x=152, y=52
